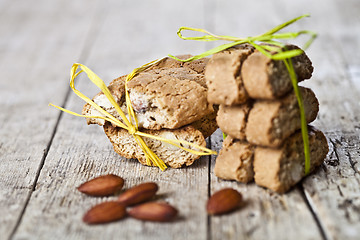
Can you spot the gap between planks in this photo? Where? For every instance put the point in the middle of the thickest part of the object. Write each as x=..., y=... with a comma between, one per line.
x=312, y=210
x=208, y=230
x=41, y=165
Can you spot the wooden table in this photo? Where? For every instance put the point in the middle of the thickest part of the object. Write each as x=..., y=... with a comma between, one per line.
x=45, y=154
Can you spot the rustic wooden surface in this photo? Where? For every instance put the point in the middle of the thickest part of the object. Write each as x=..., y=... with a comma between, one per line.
x=45, y=154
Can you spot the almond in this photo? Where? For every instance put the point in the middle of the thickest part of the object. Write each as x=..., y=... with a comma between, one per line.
x=105, y=212
x=223, y=201
x=102, y=186
x=138, y=194
x=154, y=211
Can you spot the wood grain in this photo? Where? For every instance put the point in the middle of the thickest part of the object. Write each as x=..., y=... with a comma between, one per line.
x=36, y=47
x=264, y=212
x=333, y=191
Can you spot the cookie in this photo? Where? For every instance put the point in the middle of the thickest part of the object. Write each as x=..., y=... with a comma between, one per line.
x=222, y=74
x=207, y=125
x=271, y=122
x=235, y=161
x=281, y=168
x=125, y=145
x=232, y=120
x=169, y=95
x=267, y=122
x=264, y=78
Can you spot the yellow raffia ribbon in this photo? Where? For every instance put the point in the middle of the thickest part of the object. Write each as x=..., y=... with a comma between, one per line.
x=131, y=124
x=272, y=49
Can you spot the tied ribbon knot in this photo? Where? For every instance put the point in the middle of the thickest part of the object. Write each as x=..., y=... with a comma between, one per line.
x=132, y=130
x=131, y=123
x=271, y=48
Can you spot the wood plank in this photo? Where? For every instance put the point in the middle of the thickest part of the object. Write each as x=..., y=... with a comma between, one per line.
x=56, y=208
x=130, y=37
x=334, y=191
x=29, y=44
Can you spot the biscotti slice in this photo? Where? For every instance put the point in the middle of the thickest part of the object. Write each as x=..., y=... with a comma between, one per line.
x=235, y=161
x=267, y=122
x=232, y=119
x=270, y=122
x=117, y=90
x=168, y=95
x=207, y=125
x=222, y=74
x=281, y=168
x=264, y=78
x=197, y=66
x=125, y=145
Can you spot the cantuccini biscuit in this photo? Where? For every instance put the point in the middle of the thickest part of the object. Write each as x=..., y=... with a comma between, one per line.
x=125, y=145
x=197, y=66
x=267, y=122
x=239, y=73
x=222, y=74
x=281, y=168
x=169, y=95
x=271, y=122
x=207, y=125
x=232, y=120
x=264, y=78
x=235, y=161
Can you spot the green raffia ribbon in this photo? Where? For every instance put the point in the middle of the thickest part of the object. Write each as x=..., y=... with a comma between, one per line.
x=274, y=50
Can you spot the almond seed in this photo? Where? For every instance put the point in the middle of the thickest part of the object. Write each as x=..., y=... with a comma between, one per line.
x=138, y=194
x=105, y=212
x=223, y=201
x=154, y=211
x=102, y=186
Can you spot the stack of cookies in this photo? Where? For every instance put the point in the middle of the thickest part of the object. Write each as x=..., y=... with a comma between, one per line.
x=170, y=101
x=259, y=113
